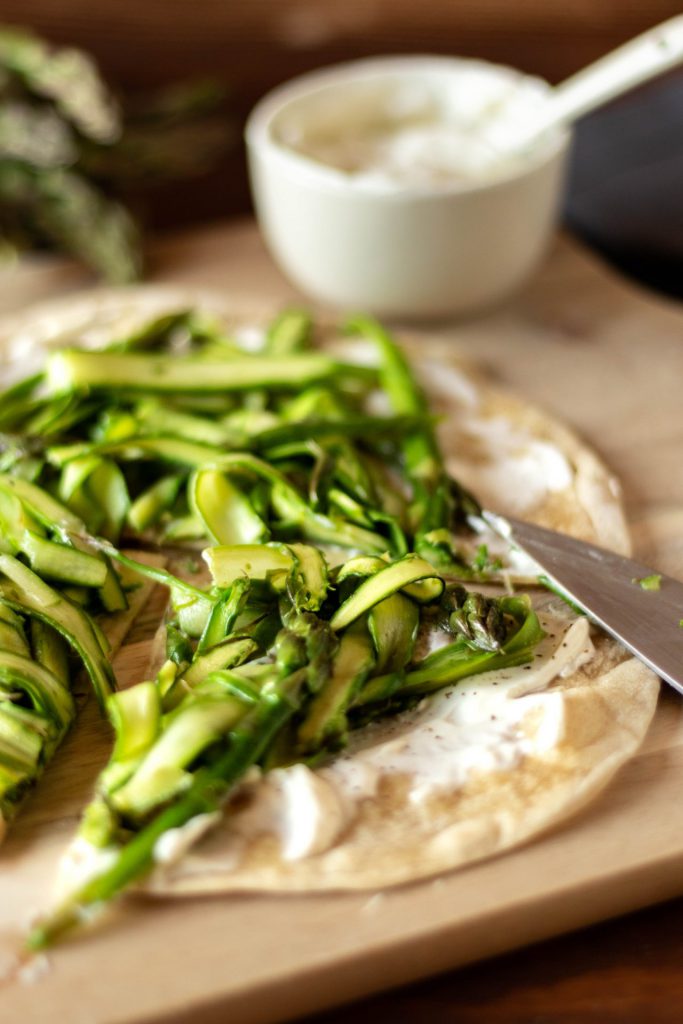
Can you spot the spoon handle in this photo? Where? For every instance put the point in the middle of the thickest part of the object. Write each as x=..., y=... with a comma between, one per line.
x=648, y=55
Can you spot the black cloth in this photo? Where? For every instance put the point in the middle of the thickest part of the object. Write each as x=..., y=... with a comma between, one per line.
x=625, y=189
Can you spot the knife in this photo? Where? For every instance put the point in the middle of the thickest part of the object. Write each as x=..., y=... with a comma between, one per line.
x=606, y=587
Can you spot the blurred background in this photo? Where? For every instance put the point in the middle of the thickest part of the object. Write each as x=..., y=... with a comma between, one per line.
x=626, y=184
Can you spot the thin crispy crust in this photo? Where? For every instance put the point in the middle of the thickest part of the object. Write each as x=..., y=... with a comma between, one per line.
x=609, y=702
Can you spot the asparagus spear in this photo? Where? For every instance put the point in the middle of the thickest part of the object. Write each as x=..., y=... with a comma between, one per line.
x=394, y=624
x=438, y=501
x=388, y=580
x=459, y=660
x=325, y=724
x=68, y=369
x=352, y=425
x=25, y=592
x=151, y=504
x=480, y=620
x=228, y=516
x=289, y=332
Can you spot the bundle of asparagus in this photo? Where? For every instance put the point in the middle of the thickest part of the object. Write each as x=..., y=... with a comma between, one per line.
x=67, y=144
x=331, y=535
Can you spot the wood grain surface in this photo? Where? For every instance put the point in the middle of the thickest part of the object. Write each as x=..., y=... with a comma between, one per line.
x=609, y=360
x=626, y=971
x=256, y=44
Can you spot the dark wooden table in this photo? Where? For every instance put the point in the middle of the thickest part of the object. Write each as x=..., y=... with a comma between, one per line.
x=626, y=971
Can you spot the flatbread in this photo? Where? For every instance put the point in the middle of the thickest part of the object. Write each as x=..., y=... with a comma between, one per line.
x=516, y=459
x=608, y=706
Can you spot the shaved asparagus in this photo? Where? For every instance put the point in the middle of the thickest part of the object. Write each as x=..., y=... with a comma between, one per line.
x=393, y=625
x=325, y=724
x=74, y=368
x=438, y=501
x=289, y=332
x=387, y=581
x=459, y=660
x=330, y=682
x=330, y=531
x=248, y=741
x=26, y=593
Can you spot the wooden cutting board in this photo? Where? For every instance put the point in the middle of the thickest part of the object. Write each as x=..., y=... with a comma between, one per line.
x=594, y=350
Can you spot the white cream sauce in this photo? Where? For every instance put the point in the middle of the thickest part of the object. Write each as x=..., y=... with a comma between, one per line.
x=173, y=844
x=250, y=338
x=450, y=382
x=512, y=469
x=477, y=726
x=81, y=862
x=411, y=133
x=515, y=471
x=486, y=724
x=299, y=806
x=430, y=153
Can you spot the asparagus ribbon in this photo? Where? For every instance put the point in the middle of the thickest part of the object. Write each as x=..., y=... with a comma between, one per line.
x=331, y=543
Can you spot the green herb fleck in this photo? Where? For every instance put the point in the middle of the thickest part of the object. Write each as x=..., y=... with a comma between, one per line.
x=653, y=582
x=482, y=562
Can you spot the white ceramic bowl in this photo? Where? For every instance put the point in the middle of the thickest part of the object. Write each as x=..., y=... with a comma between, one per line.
x=404, y=251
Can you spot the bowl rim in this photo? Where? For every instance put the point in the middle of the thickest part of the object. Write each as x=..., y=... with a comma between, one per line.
x=259, y=139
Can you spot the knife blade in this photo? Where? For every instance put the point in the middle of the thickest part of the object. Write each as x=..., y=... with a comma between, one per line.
x=606, y=587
